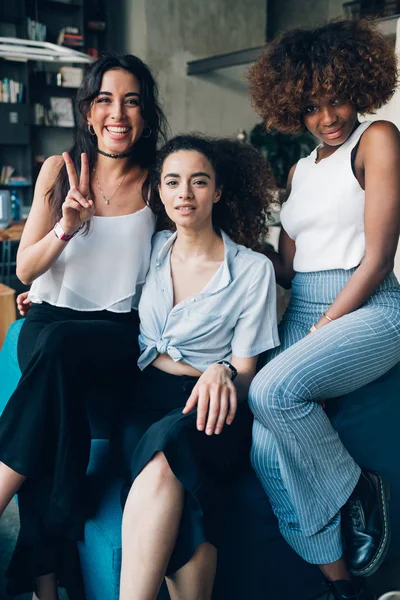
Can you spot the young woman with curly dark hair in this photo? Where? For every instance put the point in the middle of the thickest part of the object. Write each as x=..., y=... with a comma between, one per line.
x=207, y=309
x=340, y=229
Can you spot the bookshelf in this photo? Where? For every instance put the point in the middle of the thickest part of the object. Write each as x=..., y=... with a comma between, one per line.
x=43, y=93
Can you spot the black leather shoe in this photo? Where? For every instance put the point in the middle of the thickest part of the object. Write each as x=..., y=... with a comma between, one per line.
x=365, y=525
x=349, y=590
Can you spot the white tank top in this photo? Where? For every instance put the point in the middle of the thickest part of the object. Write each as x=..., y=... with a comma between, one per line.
x=324, y=213
x=102, y=270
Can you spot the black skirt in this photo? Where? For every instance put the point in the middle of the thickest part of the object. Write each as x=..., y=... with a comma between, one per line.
x=203, y=464
x=73, y=364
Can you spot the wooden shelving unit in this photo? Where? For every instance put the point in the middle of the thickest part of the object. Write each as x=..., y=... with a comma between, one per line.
x=24, y=142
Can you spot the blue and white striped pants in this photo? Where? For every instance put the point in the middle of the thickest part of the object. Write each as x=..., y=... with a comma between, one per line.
x=299, y=458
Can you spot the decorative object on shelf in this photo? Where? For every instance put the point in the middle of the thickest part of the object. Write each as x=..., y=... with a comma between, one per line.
x=5, y=208
x=281, y=150
x=71, y=76
x=62, y=113
x=15, y=206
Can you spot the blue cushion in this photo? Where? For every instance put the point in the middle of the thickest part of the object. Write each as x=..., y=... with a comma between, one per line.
x=100, y=551
x=9, y=369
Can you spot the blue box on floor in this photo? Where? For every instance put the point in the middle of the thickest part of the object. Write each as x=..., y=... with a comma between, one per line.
x=254, y=561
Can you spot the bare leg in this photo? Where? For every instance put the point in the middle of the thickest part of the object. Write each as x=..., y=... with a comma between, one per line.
x=195, y=580
x=336, y=571
x=150, y=526
x=10, y=482
x=46, y=588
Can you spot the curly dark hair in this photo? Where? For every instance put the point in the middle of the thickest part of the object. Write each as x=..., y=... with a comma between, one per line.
x=344, y=59
x=245, y=178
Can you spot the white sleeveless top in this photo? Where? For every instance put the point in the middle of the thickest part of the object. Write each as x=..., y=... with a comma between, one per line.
x=324, y=213
x=102, y=270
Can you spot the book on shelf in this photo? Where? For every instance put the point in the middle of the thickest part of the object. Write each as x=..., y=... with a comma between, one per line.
x=70, y=36
x=18, y=180
x=5, y=173
x=11, y=91
x=36, y=30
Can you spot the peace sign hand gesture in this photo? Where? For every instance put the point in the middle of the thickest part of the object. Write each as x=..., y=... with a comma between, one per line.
x=77, y=206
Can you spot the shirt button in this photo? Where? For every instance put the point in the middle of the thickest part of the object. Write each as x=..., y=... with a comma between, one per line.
x=192, y=299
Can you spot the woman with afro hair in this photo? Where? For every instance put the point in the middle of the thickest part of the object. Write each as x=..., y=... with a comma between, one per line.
x=340, y=229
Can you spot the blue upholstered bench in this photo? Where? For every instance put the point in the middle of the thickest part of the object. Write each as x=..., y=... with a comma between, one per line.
x=253, y=557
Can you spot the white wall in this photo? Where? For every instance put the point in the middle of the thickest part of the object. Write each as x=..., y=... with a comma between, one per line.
x=168, y=33
x=391, y=112
x=304, y=13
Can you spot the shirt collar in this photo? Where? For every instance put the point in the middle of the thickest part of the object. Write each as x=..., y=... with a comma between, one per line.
x=223, y=277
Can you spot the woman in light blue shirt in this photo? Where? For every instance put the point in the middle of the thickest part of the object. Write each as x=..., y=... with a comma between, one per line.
x=207, y=310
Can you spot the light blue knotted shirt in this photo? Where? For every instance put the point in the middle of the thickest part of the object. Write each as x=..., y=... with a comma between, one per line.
x=235, y=313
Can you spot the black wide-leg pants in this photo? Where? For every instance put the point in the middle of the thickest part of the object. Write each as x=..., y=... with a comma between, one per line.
x=68, y=359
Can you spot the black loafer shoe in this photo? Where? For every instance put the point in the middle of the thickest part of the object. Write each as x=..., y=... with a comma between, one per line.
x=365, y=525
x=348, y=590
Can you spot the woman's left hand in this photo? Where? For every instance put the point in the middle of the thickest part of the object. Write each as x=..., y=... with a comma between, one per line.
x=323, y=321
x=216, y=399
x=24, y=305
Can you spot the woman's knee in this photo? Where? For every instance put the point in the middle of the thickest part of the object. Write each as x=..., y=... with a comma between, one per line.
x=276, y=389
x=157, y=474
x=265, y=393
x=57, y=338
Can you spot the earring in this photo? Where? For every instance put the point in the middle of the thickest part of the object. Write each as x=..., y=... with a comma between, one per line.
x=91, y=131
x=149, y=133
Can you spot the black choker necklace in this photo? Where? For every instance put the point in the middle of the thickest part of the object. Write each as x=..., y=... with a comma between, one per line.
x=124, y=155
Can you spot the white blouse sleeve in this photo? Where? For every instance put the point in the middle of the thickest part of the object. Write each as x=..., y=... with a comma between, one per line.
x=256, y=329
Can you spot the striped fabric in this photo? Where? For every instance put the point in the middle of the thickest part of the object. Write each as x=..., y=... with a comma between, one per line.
x=303, y=467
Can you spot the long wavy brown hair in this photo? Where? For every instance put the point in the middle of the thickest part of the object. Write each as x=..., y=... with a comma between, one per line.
x=144, y=151
x=349, y=60
x=243, y=175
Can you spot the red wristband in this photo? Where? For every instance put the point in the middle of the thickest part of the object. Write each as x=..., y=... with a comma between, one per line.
x=60, y=233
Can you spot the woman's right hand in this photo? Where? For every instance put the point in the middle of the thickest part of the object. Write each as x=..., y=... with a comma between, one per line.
x=23, y=304
x=78, y=206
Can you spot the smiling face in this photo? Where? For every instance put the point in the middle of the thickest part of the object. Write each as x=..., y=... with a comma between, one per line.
x=332, y=121
x=115, y=113
x=188, y=189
